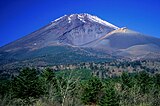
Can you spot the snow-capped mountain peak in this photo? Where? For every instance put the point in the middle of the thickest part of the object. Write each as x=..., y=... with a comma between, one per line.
x=84, y=17
x=76, y=16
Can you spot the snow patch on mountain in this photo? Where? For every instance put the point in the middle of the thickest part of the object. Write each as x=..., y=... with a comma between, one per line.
x=69, y=19
x=98, y=20
x=84, y=17
x=81, y=18
x=59, y=18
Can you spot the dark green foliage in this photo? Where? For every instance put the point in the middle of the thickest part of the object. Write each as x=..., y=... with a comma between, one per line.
x=92, y=91
x=110, y=97
x=97, y=92
x=84, y=74
x=78, y=87
x=144, y=81
x=27, y=84
x=126, y=80
x=156, y=90
x=48, y=79
x=157, y=81
x=48, y=75
x=4, y=87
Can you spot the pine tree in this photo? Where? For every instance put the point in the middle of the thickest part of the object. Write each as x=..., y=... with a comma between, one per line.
x=144, y=81
x=110, y=98
x=92, y=91
x=126, y=80
x=27, y=84
x=49, y=81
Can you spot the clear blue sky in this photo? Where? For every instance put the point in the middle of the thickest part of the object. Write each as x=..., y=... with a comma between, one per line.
x=21, y=17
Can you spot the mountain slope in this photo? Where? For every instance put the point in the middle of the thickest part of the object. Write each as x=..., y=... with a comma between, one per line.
x=75, y=29
x=123, y=38
x=51, y=55
x=78, y=38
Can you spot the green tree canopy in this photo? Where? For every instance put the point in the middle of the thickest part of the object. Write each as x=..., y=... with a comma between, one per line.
x=92, y=91
x=27, y=84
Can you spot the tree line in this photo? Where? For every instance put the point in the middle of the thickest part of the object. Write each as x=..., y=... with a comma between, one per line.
x=32, y=87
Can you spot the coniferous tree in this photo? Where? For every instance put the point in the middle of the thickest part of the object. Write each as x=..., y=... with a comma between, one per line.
x=126, y=80
x=27, y=84
x=144, y=81
x=92, y=91
x=49, y=81
x=110, y=97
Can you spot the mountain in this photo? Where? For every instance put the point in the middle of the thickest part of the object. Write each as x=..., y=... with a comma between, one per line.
x=78, y=38
x=75, y=30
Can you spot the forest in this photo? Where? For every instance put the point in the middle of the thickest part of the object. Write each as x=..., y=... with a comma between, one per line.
x=83, y=86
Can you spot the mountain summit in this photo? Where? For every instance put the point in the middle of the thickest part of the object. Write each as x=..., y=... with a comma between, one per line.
x=79, y=37
x=74, y=29
x=84, y=17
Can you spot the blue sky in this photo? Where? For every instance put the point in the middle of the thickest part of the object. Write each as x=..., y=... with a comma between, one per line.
x=21, y=17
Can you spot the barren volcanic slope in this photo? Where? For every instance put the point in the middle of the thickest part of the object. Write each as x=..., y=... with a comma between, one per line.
x=78, y=38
